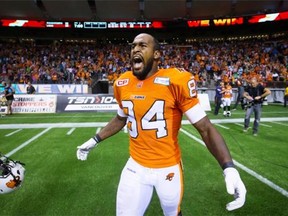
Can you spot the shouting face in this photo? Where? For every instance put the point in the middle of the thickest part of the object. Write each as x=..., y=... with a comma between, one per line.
x=144, y=57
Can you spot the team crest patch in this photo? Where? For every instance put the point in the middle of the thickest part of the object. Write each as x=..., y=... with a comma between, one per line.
x=162, y=80
x=139, y=84
x=122, y=82
x=170, y=176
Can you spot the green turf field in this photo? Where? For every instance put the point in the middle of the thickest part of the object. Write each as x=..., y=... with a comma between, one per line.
x=56, y=183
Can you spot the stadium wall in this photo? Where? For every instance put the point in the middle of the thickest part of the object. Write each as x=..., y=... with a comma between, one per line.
x=66, y=100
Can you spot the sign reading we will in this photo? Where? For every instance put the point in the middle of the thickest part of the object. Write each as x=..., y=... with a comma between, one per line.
x=53, y=88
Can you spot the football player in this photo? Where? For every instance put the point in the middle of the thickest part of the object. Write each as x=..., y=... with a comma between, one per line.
x=227, y=97
x=151, y=102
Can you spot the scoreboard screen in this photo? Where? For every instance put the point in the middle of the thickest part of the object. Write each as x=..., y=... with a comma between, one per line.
x=145, y=24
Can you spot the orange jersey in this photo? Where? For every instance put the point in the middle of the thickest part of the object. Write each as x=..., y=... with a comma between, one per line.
x=227, y=92
x=154, y=107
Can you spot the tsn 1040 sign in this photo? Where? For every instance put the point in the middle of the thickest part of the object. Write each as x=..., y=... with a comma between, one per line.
x=90, y=103
x=91, y=100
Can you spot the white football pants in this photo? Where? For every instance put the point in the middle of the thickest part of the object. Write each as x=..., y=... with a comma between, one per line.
x=226, y=101
x=136, y=186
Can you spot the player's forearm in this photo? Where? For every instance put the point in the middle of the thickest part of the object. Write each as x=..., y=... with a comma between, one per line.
x=217, y=146
x=114, y=126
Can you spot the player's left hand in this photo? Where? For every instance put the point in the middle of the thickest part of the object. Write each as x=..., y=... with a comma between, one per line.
x=236, y=187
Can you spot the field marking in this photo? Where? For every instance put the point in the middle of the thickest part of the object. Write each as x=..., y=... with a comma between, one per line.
x=244, y=168
x=219, y=125
x=280, y=123
x=261, y=124
x=241, y=125
x=48, y=126
x=98, y=130
x=54, y=125
x=71, y=131
x=10, y=134
x=240, y=120
x=238, y=112
x=265, y=125
x=102, y=124
x=27, y=142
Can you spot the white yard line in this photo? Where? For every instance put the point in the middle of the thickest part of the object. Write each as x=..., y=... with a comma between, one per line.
x=98, y=130
x=265, y=125
x=54, y=125
x=219, y=125
x=240, y=120
x=280, y=123
x=71, y=131
x=102, y=124
x=10, y=134
x=246, y=169
x=27, y=142
x=241, y=125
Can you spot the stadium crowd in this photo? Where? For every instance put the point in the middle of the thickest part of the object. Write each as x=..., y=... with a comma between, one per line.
x=84, y=62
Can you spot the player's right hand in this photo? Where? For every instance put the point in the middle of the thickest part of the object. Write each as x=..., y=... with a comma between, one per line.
x=84, y=149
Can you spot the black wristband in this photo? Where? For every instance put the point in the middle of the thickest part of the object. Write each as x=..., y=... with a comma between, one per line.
x=97, y=138
x=228, y=164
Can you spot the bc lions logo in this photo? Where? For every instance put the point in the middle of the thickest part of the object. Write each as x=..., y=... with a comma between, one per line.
x=13, y=183
x=170, y=176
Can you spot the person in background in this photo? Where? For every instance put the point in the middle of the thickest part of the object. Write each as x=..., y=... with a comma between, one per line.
x=227, y=97
x=152, y=102
x=254, y=94
x=3, y=100
x=2, y=87
x=30, y=88
x=239, y=99
x=9, y=94
x=286, y=96
x=218, y=96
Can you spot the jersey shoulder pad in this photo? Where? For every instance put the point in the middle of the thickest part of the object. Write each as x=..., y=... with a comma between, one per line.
x=178, y=76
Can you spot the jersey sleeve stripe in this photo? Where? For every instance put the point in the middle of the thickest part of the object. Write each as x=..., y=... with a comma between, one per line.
x=121, y=113
x=195, y=114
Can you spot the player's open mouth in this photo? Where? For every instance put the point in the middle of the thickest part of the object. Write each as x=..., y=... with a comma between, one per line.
x=137, y=62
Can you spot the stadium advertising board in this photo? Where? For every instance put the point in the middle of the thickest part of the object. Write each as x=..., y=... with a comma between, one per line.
x=86, y=103
x=216, y=22
x=115, y=25
x=269, y=17
x=102, y=102
x=53, y=88
x=34, y=104
x=34, y=23
x=90, y=25
x=227, y=21
x=48, y=103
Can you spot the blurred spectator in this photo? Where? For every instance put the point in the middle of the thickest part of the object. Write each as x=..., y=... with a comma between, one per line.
x=286, y=96
x=2, y=87
x=9, y=94
x=30, y=88
x=218, y=96
x=240, y=91
x=85, y=63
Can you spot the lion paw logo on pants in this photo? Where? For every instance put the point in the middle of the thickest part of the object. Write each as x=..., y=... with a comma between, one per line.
x=170, y=176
